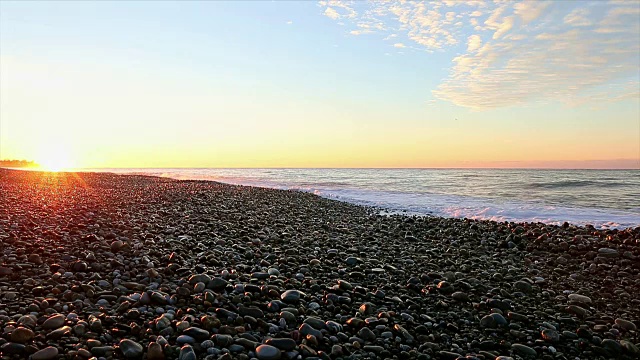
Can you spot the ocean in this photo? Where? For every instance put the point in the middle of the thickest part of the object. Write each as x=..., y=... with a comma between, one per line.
x=602, y=198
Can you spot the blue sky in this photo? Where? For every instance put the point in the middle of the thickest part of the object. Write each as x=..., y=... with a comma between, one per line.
x=432, y=83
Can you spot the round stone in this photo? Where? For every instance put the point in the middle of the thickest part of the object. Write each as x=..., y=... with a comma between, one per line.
x=131, y=349
x=524, y=350
x=291, y=296
x=580, y=298
x=550, y=335
x=460, y=296
x=268, y=352
x=185, y=339
x=45, y=354
x=22, y=335
x=285, y=344
x=154, y=351
x=54, y=322
x=626, y=324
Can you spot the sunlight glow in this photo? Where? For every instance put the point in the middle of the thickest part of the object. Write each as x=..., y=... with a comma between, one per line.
x=55, y=158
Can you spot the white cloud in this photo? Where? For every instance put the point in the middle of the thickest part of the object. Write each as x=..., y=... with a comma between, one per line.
x=330, y=12
x=473, y=43
x=289, y=22
x=361, y=32
x=563, y=69
x=530, y=10
x=516, y=52
x=578, y=17
x=504, y=27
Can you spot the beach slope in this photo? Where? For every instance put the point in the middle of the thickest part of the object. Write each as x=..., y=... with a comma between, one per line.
x=138, y=267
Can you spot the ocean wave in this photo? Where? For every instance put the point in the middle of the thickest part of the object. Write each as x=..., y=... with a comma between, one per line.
x=574, y=183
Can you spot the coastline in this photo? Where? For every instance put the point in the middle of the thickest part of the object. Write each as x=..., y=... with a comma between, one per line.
x=200, y=269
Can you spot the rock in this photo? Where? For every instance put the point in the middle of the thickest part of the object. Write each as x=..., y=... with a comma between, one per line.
x=315, y=322
x=131, y=349
x=12, y=348
x=344, y=285
x=626, y=324
x=580, y=298
x=250, y=311
x=366, y=334
x=22, y=335
x=629, y=347
x=102, y=350
x=35, y=258
x=578, y=310
x=460, y=296
x=196, y=333
x=492, y=321
x=285, y=344
x=185, y=339
x=116, y=246
x=154, y=351
x=373, y=348
x=524, y=351
x=187, y=353
x=523, y=286
x=45, y=354
x=351, y=261
x=217, y=284
x=59, y=333
x=291, y=296
x=550, y=335
x=306, y=329
x=54, y=322
x=448, y=355
x=268, y=352
x=607, y=252
x=199, y=278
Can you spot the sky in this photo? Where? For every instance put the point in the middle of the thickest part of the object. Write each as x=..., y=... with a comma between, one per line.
x=321, y=84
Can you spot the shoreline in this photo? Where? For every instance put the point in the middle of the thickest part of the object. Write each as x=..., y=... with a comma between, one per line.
x=504, y=210
x=196, y=269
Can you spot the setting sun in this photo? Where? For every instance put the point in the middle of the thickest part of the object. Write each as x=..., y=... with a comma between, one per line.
x=55, y=158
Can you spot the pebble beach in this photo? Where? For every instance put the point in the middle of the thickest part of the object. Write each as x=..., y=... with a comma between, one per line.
x=105, y=266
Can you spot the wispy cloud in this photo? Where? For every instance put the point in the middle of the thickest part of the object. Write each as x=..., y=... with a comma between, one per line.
x=399, y=45
x=516, y=52
x=578, y=17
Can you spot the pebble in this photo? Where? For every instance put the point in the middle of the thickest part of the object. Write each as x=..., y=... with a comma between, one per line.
x=54, y=322
x=524, y=351
x=291, y=296
x=45, y=354
x=131, y=349
x=154, y=351
x=22, y=335
x=268, y=352
x=285, y=344
x=626, y=324
x=580, y=298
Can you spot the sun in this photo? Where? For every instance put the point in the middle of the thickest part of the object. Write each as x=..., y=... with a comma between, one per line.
x=55, y=158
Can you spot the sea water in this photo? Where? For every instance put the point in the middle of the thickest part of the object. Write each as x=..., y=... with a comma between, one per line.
x=602, y=198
